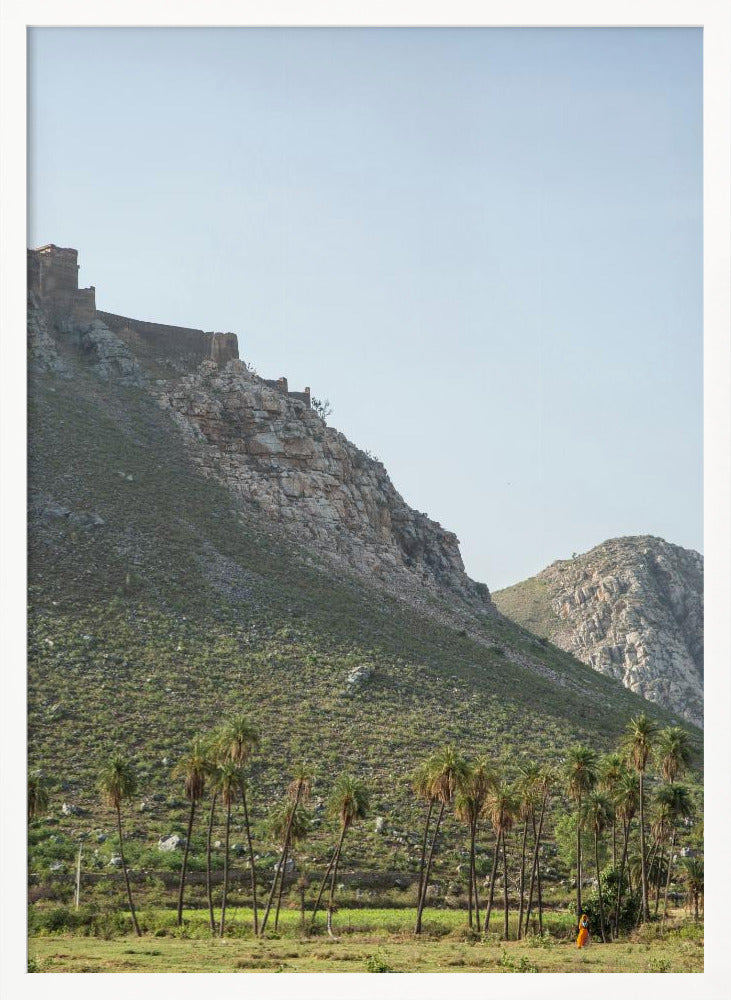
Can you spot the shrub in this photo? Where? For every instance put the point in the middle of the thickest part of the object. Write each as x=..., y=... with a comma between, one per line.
x=59, y=919
x=377, y=963
x=630, y=906
x=524, y=964
x=658, y=965
x=109, y=925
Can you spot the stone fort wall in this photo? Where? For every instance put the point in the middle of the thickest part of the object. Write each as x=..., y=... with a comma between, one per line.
x=53, y=276
x=159, y=342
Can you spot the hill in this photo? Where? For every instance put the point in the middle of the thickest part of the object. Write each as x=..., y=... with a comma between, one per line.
x=631, y=608
x=169, y=586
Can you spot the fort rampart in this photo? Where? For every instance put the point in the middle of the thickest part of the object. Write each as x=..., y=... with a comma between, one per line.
x=53, y=276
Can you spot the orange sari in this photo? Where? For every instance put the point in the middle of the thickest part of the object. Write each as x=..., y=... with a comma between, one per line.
x=583, y=939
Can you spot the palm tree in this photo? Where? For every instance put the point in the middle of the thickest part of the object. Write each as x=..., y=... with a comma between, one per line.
x=212, y=754
x=626, y=801
x=298, y=792
x=693, y=874
x=228, y=779
x=527, y=788
x=546, y=780
x=349, y=803
x=299, y=826
x=38, y=797
x=660, y=827
x=421, y=783
x=193, y=769
x=501, y=809
x=674, y=752
x=448, y=770
x=611, y=768
x=680, y=806
x=597, y=813
x=117, y=782
x=581, y=778
x=639, y=736
x=469, y=805
x=237, y=740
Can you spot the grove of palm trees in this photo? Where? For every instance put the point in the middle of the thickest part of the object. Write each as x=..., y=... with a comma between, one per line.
x=612, y=824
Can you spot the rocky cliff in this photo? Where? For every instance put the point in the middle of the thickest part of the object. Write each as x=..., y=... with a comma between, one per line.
x=277, y=456
x=631, y=608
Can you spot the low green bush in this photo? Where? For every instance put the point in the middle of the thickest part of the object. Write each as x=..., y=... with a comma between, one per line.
x=377, y=963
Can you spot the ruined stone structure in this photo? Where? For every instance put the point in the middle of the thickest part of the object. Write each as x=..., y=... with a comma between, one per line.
x=266, y=444
x=157, y=344
x=53, y=275
x=160, y=350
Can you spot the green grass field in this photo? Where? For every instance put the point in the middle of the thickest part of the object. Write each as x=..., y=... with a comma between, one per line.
x=368, y=941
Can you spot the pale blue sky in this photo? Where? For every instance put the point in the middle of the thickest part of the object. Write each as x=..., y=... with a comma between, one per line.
x=484, y=246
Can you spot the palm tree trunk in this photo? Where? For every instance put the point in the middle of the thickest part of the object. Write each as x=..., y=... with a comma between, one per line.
x=643, y=860
x=626, y=825
x=522, y=880
x=505, y=890
x=276, y=874
x=651, y=855
x=423, y=853
x=322, y=888
x=471, y=879
x=427, y=873
x=225, y=870
x=334, y=881
x=285, y=858
x=659, y=879
x=126, y=875
x=251, y=858
x=667, y=880
x=185, y=863
x=534, y=867
x=614, y=844
x=474, y=888
x=540, y=900
x=492, y=881
x=578, y=862
x=599, y=884
x=209, y=889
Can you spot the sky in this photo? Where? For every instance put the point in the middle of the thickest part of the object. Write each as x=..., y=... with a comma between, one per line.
x=483, y=246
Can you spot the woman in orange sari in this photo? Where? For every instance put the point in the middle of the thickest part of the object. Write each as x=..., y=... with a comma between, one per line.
x=583, y=939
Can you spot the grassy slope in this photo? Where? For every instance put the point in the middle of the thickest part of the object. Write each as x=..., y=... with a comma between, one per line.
x=529, y=603
x=132, y=645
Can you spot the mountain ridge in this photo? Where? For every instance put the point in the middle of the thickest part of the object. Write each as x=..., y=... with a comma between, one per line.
x=631, y=608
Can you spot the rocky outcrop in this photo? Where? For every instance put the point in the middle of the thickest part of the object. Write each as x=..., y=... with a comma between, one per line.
x=631, y=608
x=277, y=454
x=42, y=350
x=109, y=354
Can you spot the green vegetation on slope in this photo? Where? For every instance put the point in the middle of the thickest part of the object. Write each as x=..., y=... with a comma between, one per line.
x=183, y=607
x=529, y=603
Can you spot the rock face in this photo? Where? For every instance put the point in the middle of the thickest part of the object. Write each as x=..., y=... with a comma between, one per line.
x=276, y=453
x=631, y=608
x=264, y=443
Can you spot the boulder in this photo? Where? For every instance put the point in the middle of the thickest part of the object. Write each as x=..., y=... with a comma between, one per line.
x=171, y=843
x=54, y=510
x=359, y=675
x=86, y=520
